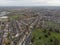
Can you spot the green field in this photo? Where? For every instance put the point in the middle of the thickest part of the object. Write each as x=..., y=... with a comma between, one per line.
x=45, y=37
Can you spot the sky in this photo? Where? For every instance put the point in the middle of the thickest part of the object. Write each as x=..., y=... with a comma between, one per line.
x=29, y=2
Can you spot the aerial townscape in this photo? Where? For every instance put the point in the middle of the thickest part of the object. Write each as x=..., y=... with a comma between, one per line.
x=30, y=25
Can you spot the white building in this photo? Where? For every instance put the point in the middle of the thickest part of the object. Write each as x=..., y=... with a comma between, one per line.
x=3, y=21
x=4, y=18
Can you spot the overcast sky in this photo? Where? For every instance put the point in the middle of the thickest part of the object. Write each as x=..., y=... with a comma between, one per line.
x=29, y=2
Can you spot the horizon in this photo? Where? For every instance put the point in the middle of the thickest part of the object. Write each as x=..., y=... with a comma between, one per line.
x=29, y=2
x=30, y=6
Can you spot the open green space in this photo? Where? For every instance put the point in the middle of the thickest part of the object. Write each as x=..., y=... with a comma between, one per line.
x=45, y=37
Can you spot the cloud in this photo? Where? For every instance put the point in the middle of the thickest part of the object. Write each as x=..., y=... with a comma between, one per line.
x=29, y=2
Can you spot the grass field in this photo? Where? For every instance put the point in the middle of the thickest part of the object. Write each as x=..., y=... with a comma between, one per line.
x=45, y=37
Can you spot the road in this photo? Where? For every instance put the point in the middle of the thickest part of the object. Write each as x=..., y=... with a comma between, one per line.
x=20, y=31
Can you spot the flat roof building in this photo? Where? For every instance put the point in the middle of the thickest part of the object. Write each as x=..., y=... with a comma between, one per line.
x=4, y=18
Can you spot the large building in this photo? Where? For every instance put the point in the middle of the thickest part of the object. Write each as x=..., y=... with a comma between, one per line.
x=3, y=20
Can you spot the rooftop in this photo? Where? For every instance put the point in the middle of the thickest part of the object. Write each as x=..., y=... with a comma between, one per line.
x=3, y=17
